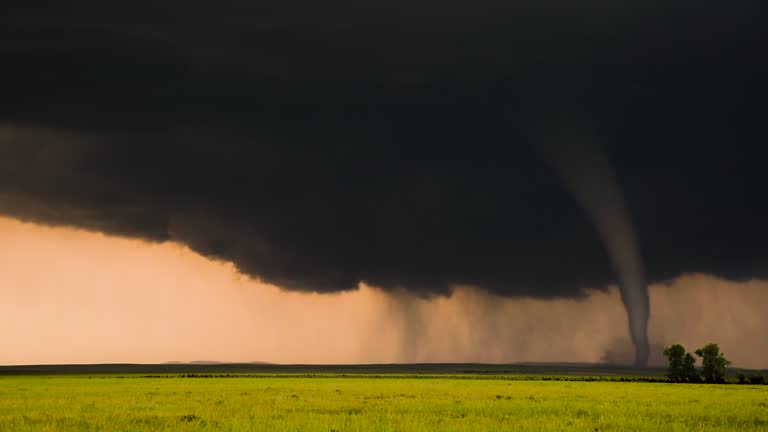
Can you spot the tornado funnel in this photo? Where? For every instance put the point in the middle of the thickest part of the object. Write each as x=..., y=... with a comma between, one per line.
x=589, y=177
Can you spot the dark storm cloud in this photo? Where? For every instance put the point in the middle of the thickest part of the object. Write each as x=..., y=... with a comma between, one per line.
x=317, y=146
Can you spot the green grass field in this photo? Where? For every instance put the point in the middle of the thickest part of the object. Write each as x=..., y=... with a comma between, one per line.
x=365, y=403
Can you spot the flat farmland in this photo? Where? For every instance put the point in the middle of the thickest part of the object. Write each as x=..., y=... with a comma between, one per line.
x=328, y=402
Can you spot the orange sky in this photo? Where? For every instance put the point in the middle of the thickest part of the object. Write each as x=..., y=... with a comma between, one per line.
x=69, y=296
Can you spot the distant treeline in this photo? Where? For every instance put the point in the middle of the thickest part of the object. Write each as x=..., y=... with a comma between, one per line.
x=425, y=376
x=470, y=371
x=740, y=378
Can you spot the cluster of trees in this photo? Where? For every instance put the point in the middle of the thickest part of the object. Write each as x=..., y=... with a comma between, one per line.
x=751, y=379
x=682, y=365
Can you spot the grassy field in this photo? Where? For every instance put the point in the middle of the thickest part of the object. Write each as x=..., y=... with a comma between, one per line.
x=74, y=402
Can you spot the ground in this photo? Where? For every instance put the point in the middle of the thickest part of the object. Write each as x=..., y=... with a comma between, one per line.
x=365, y=402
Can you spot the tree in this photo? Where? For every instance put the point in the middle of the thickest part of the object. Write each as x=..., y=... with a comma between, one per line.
x=682, y=365
x=713, y=361
x=689, y=368
x=676, y=356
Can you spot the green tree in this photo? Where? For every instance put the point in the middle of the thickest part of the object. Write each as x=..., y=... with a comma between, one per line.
x=689, y=368
x=676, y=356
x=714, y=363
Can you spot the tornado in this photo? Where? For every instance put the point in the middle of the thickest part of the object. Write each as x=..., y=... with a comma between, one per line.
x=590, y=178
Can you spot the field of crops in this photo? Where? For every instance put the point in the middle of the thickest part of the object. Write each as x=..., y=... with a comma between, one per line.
x=364, y=403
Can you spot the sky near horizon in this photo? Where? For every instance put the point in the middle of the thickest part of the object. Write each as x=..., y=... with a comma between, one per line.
x=71, y=296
